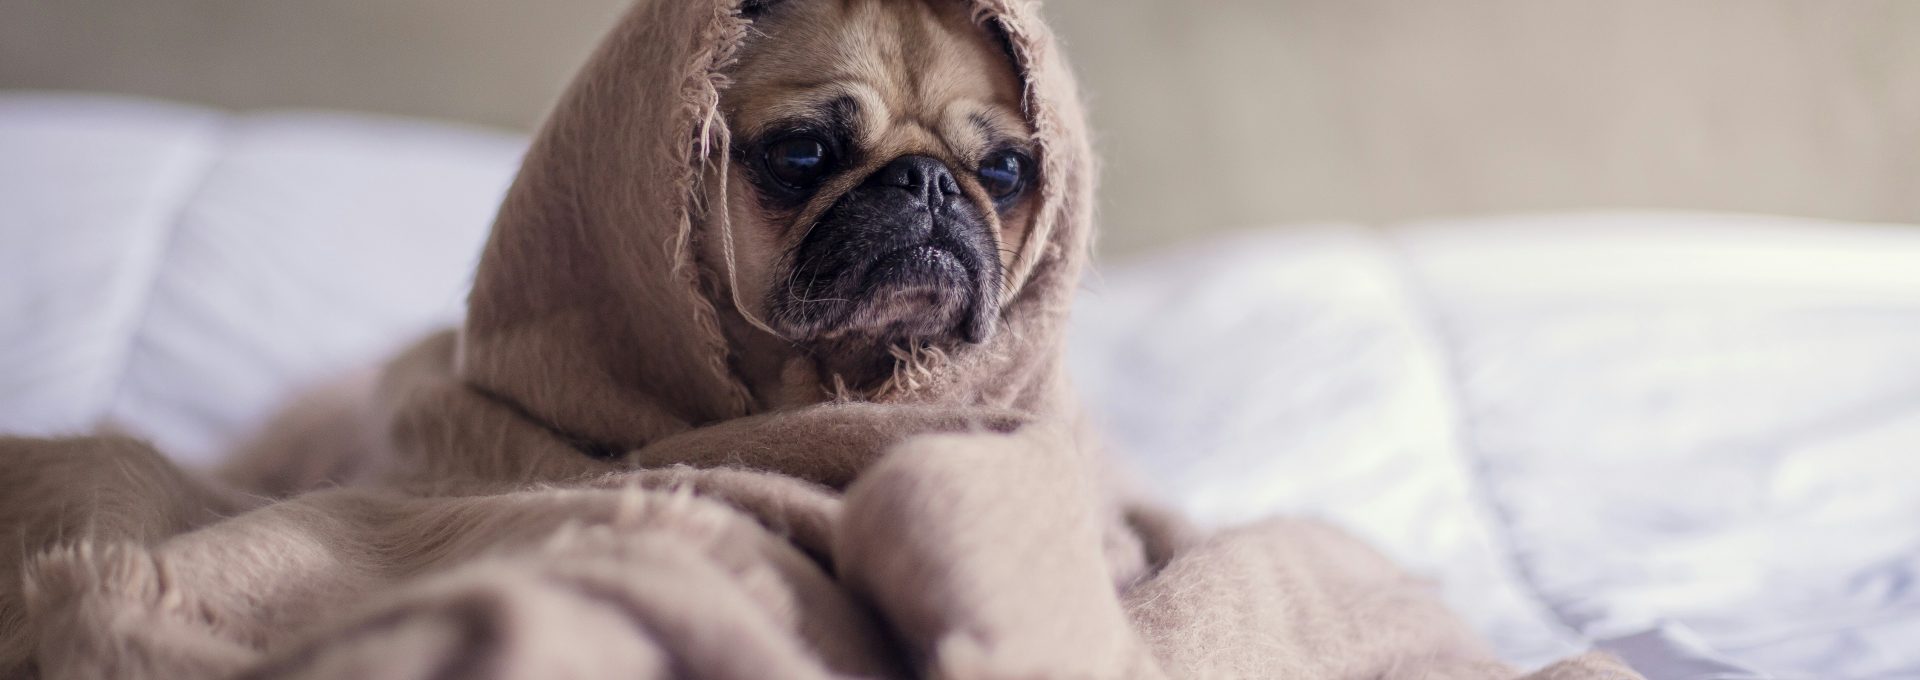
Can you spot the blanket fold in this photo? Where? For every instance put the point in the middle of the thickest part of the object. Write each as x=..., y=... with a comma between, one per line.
x=576, y=483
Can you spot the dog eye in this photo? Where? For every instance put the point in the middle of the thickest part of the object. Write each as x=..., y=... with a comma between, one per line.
x=798, y=162
x=1003, y=174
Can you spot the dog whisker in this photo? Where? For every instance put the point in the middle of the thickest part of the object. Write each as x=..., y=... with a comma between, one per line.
x=869, y=238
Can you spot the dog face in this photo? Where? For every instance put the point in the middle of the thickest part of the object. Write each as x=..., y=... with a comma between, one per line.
x=881, y=172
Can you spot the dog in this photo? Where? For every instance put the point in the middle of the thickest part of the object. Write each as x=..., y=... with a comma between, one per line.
x=880, y=178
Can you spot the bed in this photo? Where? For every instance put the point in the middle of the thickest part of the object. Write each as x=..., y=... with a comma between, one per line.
x=1689, y=438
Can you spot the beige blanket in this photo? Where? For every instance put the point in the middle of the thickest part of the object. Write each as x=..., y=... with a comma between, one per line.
x=576, y=484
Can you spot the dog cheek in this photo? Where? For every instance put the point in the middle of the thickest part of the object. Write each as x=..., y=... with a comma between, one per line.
x=983, y=319
x=979, y=327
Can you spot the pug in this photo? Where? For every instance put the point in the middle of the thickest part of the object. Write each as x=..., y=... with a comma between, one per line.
x=880, y=181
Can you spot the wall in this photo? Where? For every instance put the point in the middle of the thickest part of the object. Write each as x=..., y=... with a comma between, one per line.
x=1212, y=114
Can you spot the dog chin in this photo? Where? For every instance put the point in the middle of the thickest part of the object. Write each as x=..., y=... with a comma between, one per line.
x=918, y=293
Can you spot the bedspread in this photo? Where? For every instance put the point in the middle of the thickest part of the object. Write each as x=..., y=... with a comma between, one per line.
x=1689, y=437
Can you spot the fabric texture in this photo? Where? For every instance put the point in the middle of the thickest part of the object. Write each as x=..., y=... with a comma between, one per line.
x=957, y=523
x=1684, y=438
x=1356, y=411
x=177, y=272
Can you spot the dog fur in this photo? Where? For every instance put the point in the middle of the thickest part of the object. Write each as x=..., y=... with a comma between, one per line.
x=886, y=81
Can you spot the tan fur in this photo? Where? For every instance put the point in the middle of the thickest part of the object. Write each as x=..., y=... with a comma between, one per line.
x=921, y=73
x=958, y=526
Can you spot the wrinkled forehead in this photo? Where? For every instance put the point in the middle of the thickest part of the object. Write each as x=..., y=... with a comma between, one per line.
x=889, y=68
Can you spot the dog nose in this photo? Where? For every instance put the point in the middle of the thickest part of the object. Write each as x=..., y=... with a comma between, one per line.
x=924, y=176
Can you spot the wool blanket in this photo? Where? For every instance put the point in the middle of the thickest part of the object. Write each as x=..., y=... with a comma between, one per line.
x=576, y=484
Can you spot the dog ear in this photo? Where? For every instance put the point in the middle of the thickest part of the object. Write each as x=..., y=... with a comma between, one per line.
x=754, y=9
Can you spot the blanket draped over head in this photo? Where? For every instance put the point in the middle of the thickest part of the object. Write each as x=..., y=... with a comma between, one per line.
x=577, y=485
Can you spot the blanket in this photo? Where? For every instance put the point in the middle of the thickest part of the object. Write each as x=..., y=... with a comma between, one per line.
x=576, y=484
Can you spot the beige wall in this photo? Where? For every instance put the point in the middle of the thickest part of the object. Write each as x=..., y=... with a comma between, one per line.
x=1251, y=112
x=498, y=62
x=1212, y=113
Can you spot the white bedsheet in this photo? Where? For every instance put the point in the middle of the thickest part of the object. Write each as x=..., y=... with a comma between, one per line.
x=1693, y=439
x=177, y=271
x=1699, y=433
